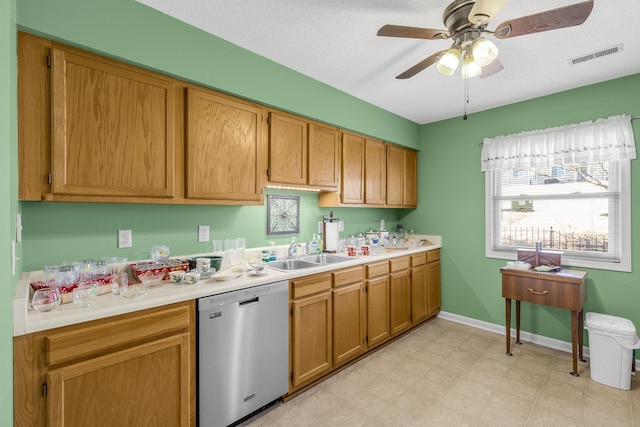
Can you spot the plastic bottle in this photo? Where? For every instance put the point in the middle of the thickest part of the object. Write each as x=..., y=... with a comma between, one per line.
x=313, y=245
x=272, y=251
x=265, y=255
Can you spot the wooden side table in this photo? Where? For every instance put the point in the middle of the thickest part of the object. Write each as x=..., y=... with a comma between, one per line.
x=563, y=289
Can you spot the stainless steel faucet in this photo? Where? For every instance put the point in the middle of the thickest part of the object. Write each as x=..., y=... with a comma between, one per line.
x=293, y=248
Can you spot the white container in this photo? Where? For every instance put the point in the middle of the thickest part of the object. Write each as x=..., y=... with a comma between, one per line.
x=611, y=343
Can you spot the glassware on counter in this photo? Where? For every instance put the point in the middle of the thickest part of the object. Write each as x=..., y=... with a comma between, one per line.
x=46, y=299
x=160, y=254
x=66, y=275
x=84, y=295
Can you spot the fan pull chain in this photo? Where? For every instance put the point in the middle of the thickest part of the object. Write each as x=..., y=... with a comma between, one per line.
x=466, y=97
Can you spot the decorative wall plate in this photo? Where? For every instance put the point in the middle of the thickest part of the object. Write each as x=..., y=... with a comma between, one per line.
x=283, y=214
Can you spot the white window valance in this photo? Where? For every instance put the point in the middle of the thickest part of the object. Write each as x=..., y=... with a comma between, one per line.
x=586, y=142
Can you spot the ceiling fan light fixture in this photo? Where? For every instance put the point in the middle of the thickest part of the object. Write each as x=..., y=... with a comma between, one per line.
x=448, y=64
x=484, y=51
x=469, y=68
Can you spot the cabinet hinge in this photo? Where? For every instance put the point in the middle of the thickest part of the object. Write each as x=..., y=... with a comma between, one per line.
x=49, y=178
x=291, y=313
x=49, y=61
x=44, y=390
x=269, y=172
x=268, y=120
x=291, y=376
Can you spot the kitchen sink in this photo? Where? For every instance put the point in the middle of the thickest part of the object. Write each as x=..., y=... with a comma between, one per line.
x=324, y=259
x=291, y=264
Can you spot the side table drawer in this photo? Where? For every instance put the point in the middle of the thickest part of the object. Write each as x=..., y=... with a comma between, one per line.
x=539, y=291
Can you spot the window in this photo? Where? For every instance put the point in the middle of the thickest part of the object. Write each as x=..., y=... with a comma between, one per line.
x=568, y=187
x=581, y=210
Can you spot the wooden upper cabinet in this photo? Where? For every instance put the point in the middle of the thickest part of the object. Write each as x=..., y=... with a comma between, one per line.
x=402, y=169
x=113, y=128
x=353, y=155
x=395, y=160
x=375, y=172
x=225, y=148
x=287, y=149
x=324, y=156
x=410, y=179
x=303, y=153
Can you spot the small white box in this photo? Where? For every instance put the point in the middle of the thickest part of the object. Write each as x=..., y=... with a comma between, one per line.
x=611, y=343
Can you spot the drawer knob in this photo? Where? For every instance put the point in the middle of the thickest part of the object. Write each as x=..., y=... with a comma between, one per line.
x=538, y=292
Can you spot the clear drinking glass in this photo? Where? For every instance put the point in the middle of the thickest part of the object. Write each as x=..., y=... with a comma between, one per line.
x=160, y=254
x=46, y=299
x=119, y=281
x=66, y=275
x=49, y=274
x=241, y=245
x=229, y=253
x=84, y=295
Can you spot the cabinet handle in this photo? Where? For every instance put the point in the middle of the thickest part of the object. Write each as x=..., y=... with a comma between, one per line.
x=538, y=292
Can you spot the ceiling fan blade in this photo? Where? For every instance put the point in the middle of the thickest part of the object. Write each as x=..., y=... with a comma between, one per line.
x=412, y=32
x=484, y=11
x=491, y=69
x=553, y=19
x=421, y=65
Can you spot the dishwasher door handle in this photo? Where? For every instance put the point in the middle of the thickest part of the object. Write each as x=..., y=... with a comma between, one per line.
x=249, y=301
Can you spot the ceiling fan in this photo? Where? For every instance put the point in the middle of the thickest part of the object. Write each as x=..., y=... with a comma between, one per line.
x=466, y=22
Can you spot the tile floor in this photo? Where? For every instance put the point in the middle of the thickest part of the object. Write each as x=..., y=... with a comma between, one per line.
x=448, y=374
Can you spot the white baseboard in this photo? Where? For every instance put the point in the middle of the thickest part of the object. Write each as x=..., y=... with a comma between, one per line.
x=526, y=336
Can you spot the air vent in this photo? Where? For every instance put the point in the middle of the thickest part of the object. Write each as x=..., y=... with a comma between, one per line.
x=598, y=54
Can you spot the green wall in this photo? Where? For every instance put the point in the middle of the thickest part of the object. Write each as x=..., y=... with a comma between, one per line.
x=451, y=195
x=56, y=232
x=8, y=193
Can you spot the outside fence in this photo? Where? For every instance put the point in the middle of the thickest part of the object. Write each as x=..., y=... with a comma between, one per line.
x=554, y=239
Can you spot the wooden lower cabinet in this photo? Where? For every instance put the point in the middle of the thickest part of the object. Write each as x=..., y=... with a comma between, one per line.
x=134, y=369
x=311, y=329
x=349, y=315
x=433, y=282
x=400, y=295
x=418, y=288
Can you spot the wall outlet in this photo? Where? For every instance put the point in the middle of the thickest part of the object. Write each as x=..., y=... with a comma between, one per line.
x=124, y=239
x=203, y=233
x=319, y=227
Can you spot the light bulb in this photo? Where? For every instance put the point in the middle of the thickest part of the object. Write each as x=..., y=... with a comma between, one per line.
x=484, y=51
x=449, y=62
x=469, y=68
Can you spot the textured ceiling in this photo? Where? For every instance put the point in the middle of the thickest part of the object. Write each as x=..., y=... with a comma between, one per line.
x=335, y=42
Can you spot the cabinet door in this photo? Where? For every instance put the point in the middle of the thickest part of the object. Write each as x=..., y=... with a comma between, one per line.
x=378, y=311
x=311, y=325
x=418, y=294
x=225, y=148
x=410, y=179
x=324, y=156
x=395, y=161
x=113, y=128
x=375, y=172
x=141, y=385
x=433, y=288
x=352, y=168
x=349, y=322
x=400, y=301
x=287, y=149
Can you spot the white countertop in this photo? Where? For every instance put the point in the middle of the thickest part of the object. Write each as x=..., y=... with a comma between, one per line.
x=26, y=320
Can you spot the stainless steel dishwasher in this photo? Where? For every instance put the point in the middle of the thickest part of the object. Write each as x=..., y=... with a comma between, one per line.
x=243, y=347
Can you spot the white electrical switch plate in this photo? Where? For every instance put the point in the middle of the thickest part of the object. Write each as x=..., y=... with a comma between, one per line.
x=340, y=225
x=203, y=233
x=124, y=239
x=319, y=227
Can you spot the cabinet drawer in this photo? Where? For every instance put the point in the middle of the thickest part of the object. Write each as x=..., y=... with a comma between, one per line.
x=398, y=264
x=74, y=343
x=377, y=269
x=433, y=255
x=546, y=292
x=418, y=259
x=310, y=285
x=347, y=276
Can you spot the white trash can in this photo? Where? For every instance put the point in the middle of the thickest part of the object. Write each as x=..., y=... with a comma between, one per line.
x=611, y=343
